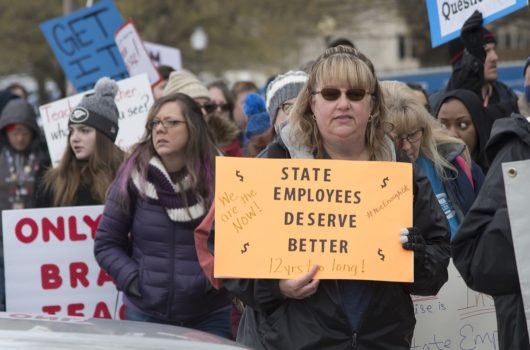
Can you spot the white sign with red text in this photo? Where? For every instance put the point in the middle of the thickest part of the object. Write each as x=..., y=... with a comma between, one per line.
x=134, y=99
x=50, y=266
x=456, y=318
x=134, y=54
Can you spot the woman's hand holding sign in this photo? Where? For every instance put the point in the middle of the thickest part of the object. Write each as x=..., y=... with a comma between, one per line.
x=300, y=288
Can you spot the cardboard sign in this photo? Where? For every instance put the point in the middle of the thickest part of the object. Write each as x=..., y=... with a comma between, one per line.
x=277, y=218
x=83, y=43
x=456, y=318
x=134, y=54
x=516, y=175
x=166, y=55
x=134, y=99
x=50, y=266
x=446, y=17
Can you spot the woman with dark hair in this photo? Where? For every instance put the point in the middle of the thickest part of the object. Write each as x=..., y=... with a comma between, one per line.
x=223, y=99
x=145, y=240
x=462, y=114
x=91, y=158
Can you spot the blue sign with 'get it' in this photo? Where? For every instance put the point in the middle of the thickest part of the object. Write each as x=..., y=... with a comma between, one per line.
x=83, y=42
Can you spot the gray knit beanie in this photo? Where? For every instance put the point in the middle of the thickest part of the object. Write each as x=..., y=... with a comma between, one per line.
x=98, y=109
x=284, y=87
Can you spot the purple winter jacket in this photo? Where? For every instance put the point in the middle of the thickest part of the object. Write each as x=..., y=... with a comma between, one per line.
x=170, y=279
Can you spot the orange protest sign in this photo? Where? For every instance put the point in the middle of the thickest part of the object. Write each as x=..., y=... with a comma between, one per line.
x=276, y=218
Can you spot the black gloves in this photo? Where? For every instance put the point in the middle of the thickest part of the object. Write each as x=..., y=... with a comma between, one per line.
x=411, y=239
x=473, y=36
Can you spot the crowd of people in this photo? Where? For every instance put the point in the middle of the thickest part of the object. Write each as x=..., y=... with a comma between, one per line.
x=156, y=235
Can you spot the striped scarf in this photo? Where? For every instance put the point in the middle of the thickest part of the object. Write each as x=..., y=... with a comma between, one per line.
x=160, y=188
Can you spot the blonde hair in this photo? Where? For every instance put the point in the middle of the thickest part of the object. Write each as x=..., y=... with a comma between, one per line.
x=407, y=115
x=345, y=65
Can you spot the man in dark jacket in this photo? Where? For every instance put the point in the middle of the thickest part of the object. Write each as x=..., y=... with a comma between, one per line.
x=474, y=62
x=483, y=248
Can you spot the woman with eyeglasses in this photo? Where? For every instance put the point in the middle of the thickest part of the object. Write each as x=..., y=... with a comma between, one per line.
x=462, y=114
x=145, y=240
x=455, y=179
x=226, y=133
x=340, y=114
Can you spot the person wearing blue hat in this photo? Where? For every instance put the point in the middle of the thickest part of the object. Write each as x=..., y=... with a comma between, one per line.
x=258, y=131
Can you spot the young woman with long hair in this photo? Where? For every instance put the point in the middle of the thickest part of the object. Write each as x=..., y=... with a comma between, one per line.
x=91, y=159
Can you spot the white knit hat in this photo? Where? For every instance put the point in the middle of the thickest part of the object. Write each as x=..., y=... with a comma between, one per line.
x=186, y=83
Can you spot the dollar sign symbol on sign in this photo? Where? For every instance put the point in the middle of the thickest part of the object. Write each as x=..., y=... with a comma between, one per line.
x=244, y=250
x=238, y=174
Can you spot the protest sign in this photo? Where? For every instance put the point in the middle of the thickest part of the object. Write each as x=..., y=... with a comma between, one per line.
x=456, y=318
x=50, y=266
x=164, y=55
x=134, y=54
x=134, y=99
x=83, y=43
x=446, y=17
x=516, y=175
x=276, y=218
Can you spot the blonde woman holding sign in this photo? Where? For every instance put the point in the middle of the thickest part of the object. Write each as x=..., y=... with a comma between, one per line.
x=340, y=114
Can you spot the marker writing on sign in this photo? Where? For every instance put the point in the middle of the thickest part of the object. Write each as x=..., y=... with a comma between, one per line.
x=238, y=174
x=245, y=246
x=380, y=253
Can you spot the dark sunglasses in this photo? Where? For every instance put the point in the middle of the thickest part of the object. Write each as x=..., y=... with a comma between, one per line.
x=225, y=107
x=333, y=94
x=209, y=107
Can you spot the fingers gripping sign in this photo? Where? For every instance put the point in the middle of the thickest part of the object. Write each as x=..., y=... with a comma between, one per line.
x=411, y=239
x=300, y=288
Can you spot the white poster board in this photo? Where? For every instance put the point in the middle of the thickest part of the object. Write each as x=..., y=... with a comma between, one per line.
x=166, y=55
x=134, y=54
x=457, y=318
x=134, y=99
x=516, y=176
x=50, y=266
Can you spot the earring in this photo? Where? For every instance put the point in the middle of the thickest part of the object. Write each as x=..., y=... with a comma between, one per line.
x=370, y=118
x=314, y=117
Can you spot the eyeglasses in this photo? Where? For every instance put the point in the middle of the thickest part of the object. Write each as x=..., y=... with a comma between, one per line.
x=209, y=107
x=413, y=137
x=166, y=123
x=286, y=107
x=333, y=94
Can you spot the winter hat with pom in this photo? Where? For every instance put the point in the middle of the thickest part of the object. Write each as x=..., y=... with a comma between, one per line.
x=98, y=109
x=258, y=118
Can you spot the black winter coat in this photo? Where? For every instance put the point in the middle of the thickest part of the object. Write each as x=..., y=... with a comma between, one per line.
x=483, y=248
x=271, y=321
